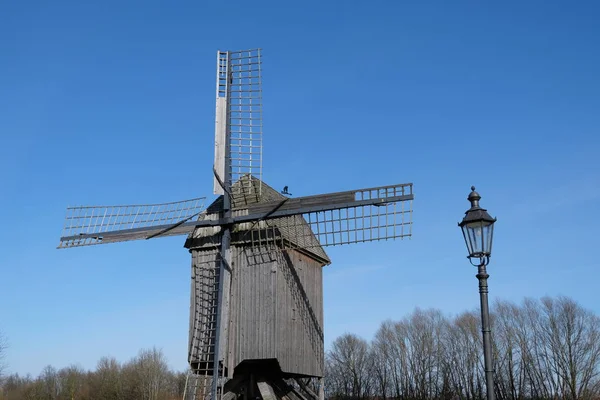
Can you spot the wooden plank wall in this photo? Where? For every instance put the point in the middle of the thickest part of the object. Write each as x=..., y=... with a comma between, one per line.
x=300, y=320
x=276, y=308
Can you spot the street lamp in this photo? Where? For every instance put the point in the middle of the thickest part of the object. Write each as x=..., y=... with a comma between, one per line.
x=478, y=230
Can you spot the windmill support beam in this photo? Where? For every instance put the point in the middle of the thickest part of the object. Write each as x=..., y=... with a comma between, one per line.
x=222, y=310
x=266, y=391
x=221, y=328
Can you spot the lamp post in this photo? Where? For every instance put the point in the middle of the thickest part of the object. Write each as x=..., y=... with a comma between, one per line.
x=478, y=230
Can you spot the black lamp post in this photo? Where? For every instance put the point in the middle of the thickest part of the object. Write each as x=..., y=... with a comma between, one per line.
x=478, y=230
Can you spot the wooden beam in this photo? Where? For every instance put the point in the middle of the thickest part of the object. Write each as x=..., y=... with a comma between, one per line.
x=266, y=391
x=301, y=202
x=306, y=389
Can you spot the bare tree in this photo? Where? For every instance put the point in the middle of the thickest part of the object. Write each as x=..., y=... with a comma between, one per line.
x=3, y=347
x=509, y=370
x=72, y=381
x=390, y=349
x=464, y=356
x=350, y=366
x=572, y=337
x=381, y=354
x=107, y=382
x=424, y=331
x=151, y=373
x=14, y=387
x=36, y=390
x=178, y=384
x=50, y=383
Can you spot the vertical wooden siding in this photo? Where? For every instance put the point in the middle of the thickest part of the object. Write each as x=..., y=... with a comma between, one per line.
x=276, y=308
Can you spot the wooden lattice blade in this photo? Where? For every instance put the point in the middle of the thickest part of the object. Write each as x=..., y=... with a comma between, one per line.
x=329, y=219
x=90, y=225
x=238, y=122
x=379, y=213
x=362, y=215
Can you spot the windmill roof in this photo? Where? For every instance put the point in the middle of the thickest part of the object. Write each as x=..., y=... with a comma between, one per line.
x=249, y=190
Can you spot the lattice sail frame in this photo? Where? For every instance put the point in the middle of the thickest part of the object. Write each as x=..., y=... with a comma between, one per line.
x=336, y=226
x=354, y=216
x=86, y=225
x=238, y=124
x=311, y=222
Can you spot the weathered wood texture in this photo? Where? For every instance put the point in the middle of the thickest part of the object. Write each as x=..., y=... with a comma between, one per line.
x=293, y=230
x=276, y=309
x=266, y=391
x=275, y=296
x=203, y=302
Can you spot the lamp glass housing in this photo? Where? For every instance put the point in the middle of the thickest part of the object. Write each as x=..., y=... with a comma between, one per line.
x=478, y=236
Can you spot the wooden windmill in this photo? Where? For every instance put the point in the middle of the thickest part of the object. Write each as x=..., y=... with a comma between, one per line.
x=256, y=312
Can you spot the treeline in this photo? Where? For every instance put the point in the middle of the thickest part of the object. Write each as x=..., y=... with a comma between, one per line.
x=145, y=377
x=543, y=349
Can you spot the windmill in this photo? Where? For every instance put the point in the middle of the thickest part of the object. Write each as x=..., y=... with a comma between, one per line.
x=256, y=306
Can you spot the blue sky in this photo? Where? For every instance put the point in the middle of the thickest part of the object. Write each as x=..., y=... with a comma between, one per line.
x=113, y=102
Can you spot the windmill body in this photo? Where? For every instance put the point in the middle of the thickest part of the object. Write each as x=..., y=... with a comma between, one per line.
x=275, y=297
x=256, y=304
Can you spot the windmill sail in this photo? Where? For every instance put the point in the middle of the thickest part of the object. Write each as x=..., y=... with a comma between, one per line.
x=356, y=221
x=363, y=215
x=90, y=225
x=221, y=121
x=354, y=216
x=238, y=122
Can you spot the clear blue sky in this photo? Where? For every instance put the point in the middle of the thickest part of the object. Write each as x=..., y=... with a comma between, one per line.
x=114, y=103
